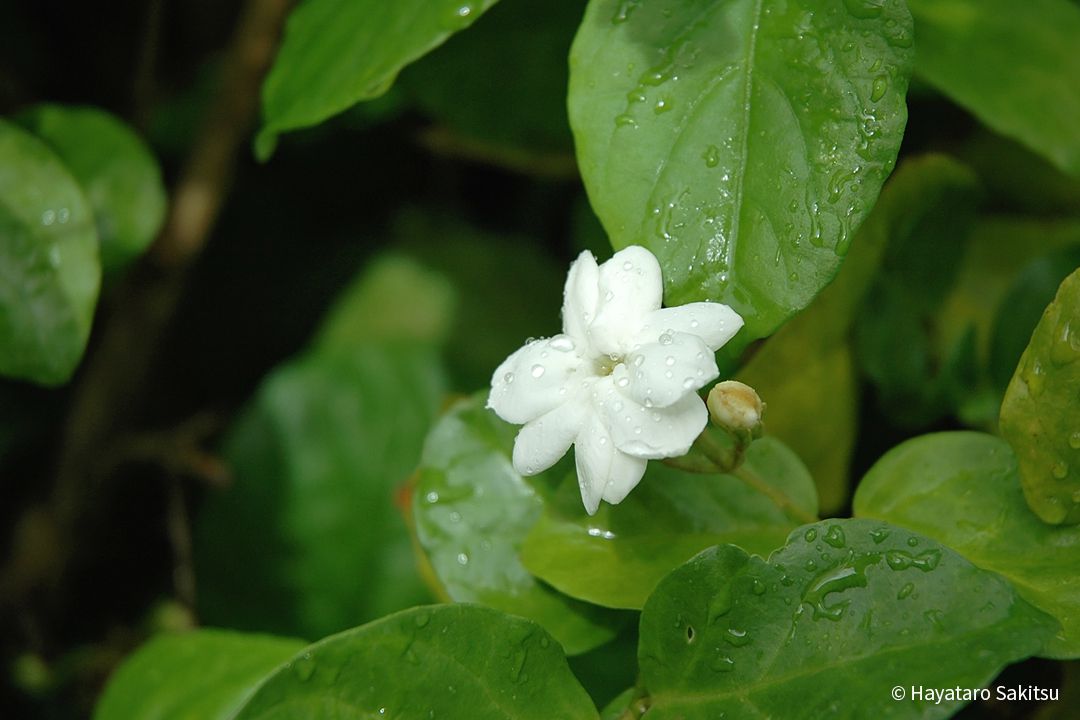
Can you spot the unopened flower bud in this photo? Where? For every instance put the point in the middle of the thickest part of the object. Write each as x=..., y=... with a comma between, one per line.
x=736, y=407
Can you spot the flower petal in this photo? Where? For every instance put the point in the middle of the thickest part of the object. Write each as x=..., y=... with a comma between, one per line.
x=603, y=471
x=631, y=286
x=714, y=323
x=580, y=296
x=663, y=372
x=535, y=379
x=654, y=433
x=544, y=440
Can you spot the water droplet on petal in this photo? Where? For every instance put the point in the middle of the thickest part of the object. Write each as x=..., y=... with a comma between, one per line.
x=538, y=371
x=670, y=360
x=508, y=378
x=628, y=265
x=665, y=339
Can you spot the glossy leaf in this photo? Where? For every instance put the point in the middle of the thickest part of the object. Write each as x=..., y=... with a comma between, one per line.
x=743, y=142
x=1013, y=65
x=1040, y=416
x=846, y=611
x=307, y=540
x=616, y=557
x=454, y=662
x=117, y=172
x=336, y=53
x=472, y=512
x=199, y=675
x=50, y=270
x=805, y=371
x=963, y=490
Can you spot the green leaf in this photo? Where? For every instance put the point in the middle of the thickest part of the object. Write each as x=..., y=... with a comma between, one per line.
x=454, y=662
x=472, y=511
x=1040, y=416
x=338, y=52
x=616, y=557
x=834, y=620
x=742, y=142
x=463, y=83
x=49, y=267
x=615, y=709
x=963, y=490
x=117, y=172
x=605, y=671
x=307, y=540
x=1013, y=65
x=199, y=675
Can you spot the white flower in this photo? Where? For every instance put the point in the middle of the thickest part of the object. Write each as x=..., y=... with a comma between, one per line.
x=619, y=383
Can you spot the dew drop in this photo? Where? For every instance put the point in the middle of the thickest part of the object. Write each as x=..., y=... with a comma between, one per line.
x=670, y=360
x=835, y=536
x=628, y=266
x=623, y=382
x=905, y=591
x=462, y=559
x=508, y=378
x=422, y=620
x=688, y=384
x=1074, y=440
x=538, y=371
x=665, y=339
x=1060, y=470
x=304, y=667
x=432, y=497
x=562, y=344
x=877, y=91
x=810, y=535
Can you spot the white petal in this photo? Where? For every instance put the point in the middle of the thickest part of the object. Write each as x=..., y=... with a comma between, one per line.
x=663, y=372
x=603, y=470
x=535, y=379
x=631, y=287
x=544, y=440
x=654, y=433
x=714, y=323
x=580, y=296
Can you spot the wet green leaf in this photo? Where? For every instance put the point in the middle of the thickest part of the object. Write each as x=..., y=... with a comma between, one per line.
x=117, y=172
x=615, y=709
x=336, y=53
x=456, y=662
x=50, y=270
x=963, y=490
x=1040, y=416
x=743, y=142
x=1013, y=65
x=307, y=540
x=616, y=557
x=846, y=611
x=200, y=675
x=472, y=512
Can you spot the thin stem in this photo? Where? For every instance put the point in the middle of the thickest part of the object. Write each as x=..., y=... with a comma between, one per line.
x=732, y=462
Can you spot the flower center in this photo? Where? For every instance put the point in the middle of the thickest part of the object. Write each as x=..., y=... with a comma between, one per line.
x=605, y=364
